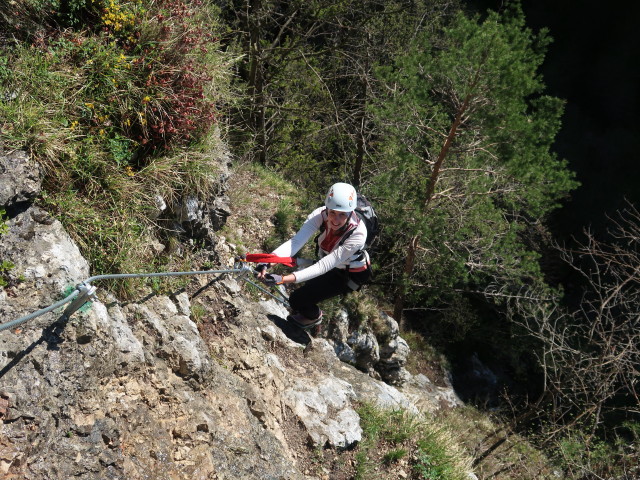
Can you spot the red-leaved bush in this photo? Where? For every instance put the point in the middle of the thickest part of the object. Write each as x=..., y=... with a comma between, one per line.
x=170, y=76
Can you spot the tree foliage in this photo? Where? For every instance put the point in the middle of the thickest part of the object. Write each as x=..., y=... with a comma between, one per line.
x=467, y=156
x=308, y=78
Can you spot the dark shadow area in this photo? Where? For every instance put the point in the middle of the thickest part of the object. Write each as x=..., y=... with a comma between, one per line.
x=17, y=208
x=488, y=359
x=51, y=335
x=592, y=65
x=290, y=330
x=481, y=378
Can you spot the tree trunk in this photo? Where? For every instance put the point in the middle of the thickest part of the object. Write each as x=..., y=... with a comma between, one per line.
x=357, y=169
x=431, y=188
x=255, y=81
x=406, y=274
x=362, y=122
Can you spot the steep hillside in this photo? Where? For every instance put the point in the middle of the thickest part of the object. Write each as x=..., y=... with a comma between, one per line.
x=138, y=389
x=169, y=136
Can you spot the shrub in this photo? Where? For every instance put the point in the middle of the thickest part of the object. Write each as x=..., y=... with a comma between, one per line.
x=108, y=108
x=582, y=456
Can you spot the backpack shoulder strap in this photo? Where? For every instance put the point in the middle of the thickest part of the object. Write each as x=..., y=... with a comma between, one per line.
x=348, y=233
x=325, y=216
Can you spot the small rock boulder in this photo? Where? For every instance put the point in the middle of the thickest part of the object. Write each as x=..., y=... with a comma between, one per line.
x=20, y=179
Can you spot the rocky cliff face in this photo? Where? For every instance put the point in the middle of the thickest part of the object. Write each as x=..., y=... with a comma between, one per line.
x=140, y=390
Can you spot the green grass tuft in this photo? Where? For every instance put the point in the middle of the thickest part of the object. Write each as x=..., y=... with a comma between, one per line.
x=395, y=437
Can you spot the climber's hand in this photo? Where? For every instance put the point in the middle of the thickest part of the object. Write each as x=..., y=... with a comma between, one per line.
x=272, y=279
x=261, y=270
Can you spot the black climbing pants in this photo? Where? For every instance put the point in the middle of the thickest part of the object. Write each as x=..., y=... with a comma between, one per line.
x=335, y=282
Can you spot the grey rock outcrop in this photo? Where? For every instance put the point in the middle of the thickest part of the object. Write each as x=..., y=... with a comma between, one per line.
x=47, y=263
x=198, y=217
x=20, y=179
x=118, y=391
x=393, y=354
x=366, y=349
x=122, y=390
x=326, y=412
x=172, y=336
x=383, y=357
x=140, y=390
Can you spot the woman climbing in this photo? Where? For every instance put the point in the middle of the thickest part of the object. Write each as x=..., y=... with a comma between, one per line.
x=343, y=264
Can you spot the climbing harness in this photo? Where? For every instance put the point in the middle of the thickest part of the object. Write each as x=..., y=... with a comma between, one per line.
x=85, y=292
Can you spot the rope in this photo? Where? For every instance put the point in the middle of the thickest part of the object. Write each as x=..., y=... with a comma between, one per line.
x=21, y=320
x=84, y=291
x=280, y=288
x=159, y=274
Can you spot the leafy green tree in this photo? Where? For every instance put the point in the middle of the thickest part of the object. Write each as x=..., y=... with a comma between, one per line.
x=468, y=159
x=308, y=73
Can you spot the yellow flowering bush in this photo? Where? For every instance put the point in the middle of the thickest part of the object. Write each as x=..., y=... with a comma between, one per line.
x=119, y=18
x=143, y=74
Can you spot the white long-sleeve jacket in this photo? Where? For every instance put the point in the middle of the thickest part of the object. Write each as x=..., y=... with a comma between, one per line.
x=351, y=254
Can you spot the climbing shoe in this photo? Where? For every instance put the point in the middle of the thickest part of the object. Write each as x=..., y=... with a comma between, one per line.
x=303, y=322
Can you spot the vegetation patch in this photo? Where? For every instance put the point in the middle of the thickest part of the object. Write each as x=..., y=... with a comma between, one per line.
x=118, y=108
x=5, y=265
x=267, y=209
x=397, y=444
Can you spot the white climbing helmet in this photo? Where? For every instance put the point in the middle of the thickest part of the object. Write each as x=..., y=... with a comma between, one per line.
x=341, y=197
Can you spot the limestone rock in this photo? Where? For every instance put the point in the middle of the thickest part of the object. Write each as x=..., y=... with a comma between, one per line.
x=133, y=390
x=219, y=212
x=158, y=208
x=20, y=179
x=199, y=217
x=362, y=349
x=366, y=349
x=393, y=354
x=118, y=391
x=325, y=410
x=47, y=263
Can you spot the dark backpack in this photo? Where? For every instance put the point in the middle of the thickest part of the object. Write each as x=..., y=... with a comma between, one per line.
x=367, y=214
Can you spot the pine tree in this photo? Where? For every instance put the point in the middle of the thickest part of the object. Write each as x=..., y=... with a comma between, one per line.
x=468, y=154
